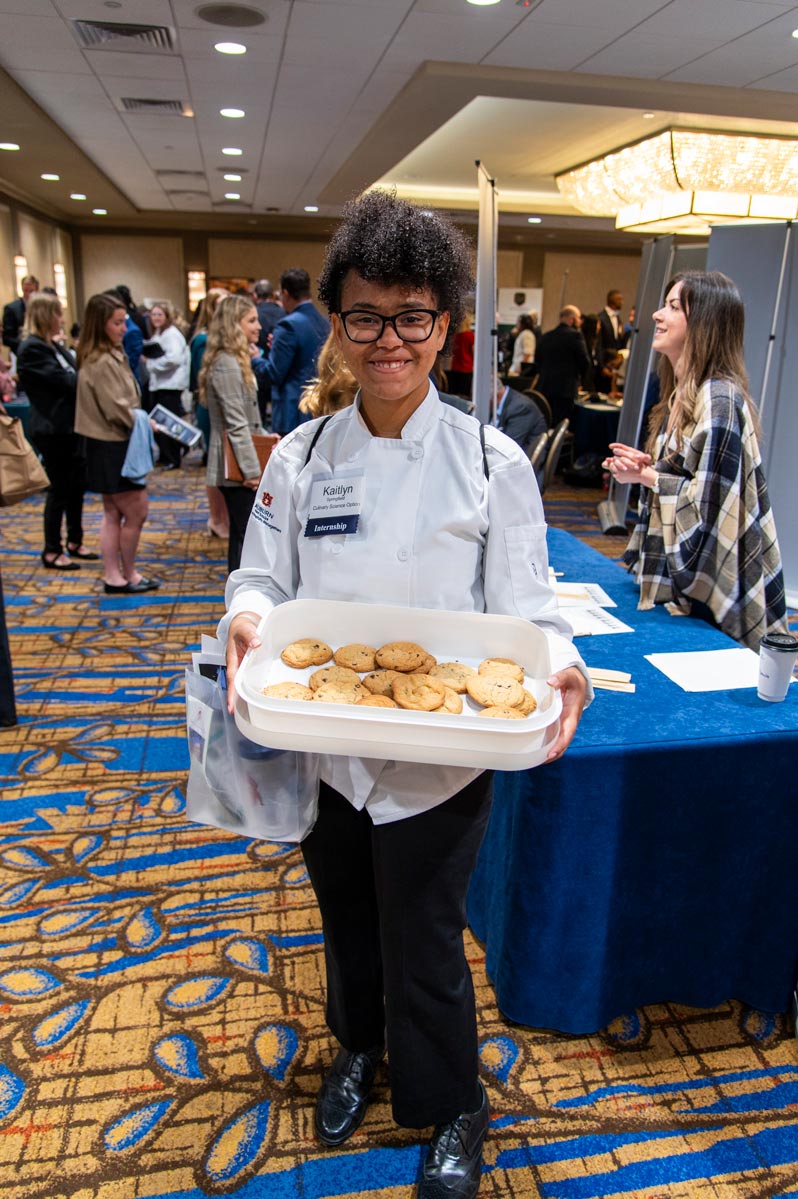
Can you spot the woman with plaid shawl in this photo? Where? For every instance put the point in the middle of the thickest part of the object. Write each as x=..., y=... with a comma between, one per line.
x=705, y=539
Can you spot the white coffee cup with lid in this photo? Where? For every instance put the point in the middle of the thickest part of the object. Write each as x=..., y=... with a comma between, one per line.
x=777, y=654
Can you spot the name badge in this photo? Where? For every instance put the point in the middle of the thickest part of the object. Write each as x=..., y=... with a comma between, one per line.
x=335, y=503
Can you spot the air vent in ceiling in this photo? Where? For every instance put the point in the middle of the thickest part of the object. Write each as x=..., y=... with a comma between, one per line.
x=118, y=35
x=158, y=107
x=186, y=191
x=181, y=173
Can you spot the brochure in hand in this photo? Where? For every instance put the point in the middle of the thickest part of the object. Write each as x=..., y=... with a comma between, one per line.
x=174, y=426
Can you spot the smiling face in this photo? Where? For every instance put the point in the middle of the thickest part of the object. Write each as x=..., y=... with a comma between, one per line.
x=115, y=326
x=250, y=325
x=157, y=317
x=393, y=375
x=670, y=326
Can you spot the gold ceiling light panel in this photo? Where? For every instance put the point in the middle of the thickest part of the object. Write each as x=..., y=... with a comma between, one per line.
x=687, y=179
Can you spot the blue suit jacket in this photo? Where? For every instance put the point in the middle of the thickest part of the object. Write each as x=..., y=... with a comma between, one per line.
x=292, y=362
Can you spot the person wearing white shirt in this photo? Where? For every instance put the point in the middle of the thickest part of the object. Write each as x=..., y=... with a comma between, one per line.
x=167, y=374
x=443, y=523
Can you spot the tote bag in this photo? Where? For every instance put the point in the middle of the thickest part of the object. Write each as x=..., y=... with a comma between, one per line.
x=21, y=472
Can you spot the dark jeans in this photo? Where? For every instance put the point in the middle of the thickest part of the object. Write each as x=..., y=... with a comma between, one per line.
x=239, y=501
x=8, y=711
x=171, y=451
x=392, y=900
x=64, y=460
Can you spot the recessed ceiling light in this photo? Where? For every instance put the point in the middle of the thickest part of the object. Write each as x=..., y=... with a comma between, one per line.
x=648, y=116
x=230, y=48
x=795, y=33
x=311, y=208
x=51, y=178
x=233, y=178
x=8, y=146
x=483, y=3
x=232, y=112
x=232, y=151
x=232, y=195
x=77, y=196
x=533, y=220
x=100, y=211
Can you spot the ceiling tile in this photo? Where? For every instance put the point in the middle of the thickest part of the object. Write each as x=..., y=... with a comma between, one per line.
x=113, y=64
x=640, y=55
x=40, y=43
x=709, y=17
x=549, y=47
x=433, y=36
x=613, y=16
x=746, y=59
x=785, y=81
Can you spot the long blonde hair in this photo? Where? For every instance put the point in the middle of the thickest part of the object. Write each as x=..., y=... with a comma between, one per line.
x=335, y=387
x=225, y=336
x=713, y=349
x=207, y=308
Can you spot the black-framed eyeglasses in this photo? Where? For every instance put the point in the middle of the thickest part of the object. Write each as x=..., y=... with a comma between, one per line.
x=414, y=324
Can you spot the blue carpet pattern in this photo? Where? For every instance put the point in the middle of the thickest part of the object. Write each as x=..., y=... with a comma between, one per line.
x=161, y=984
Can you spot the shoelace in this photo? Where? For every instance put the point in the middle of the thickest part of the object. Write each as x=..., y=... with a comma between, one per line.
x=355, y=1066
x=449, y=1136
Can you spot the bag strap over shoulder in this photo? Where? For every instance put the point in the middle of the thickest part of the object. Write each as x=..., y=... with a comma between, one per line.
x=485, y=466
x=316, y=437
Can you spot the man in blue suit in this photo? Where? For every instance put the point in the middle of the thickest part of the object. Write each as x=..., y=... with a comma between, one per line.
x=296, y=342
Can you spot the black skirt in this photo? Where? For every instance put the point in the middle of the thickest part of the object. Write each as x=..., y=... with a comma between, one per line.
x=104, y=462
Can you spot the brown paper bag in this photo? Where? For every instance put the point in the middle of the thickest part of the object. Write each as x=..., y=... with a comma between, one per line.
x=21, y=472
x=264, y=443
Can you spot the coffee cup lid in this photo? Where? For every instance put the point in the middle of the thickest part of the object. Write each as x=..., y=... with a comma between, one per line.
x=780, y=641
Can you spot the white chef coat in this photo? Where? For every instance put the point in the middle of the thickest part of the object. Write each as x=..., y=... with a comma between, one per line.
x=433, y=533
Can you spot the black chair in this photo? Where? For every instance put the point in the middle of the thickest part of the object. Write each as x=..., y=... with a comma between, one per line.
x=537, y=451
x=537, y=397
x=553, y=456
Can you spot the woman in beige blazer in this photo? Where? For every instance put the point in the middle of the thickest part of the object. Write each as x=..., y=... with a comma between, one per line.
x=107, y=398
x=228, y=389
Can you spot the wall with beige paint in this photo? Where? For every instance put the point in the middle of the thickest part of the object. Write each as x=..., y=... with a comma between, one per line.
x=258, y=259
x=152, y=267
x=574, y=277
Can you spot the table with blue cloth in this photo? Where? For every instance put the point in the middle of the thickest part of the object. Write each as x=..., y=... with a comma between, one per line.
x=656, y=860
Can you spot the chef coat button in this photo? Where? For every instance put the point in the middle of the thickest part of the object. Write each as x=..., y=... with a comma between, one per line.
x=403, y=553
x=337, y=547
x=417, y=452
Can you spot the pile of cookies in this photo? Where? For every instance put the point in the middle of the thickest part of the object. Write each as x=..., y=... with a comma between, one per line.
x=403, y=674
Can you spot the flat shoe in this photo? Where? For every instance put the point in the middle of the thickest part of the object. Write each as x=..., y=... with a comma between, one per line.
x=84, y=556
x=344, y=1095
x=131, y=588
x=53, y=565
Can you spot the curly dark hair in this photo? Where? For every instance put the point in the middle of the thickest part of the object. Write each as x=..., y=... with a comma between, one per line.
x=389, y=241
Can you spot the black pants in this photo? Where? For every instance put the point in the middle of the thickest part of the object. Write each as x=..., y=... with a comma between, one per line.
x=8, y=711
x=65, y=462
x=239, y=501
x=171, y=451
x=392, y=900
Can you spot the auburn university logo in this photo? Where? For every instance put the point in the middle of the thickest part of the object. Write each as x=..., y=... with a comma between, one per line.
x=266, y=499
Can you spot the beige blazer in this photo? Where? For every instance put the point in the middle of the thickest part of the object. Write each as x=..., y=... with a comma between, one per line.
x=234, y=409
x=108, y=395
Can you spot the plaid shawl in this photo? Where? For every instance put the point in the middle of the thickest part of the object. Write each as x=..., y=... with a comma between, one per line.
x=709, y=534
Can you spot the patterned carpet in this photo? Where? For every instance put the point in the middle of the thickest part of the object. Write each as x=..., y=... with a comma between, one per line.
x=162, y=1027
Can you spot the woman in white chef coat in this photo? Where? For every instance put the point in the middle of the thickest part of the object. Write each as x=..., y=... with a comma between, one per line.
x=443, y=522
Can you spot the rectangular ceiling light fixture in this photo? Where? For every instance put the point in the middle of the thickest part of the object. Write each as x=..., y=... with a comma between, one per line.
x=120, y=35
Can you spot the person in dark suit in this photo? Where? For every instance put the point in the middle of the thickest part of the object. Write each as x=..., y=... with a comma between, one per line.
x=48, y=375
x=519, y=417
x=269, y=313
x=14, y=314
x=8, y=708
x=296, y=342
x=562, y=361
x=612, y=335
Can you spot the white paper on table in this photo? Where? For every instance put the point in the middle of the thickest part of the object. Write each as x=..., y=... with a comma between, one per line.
x=587, y=622
x=583, y=595
x=710, y=670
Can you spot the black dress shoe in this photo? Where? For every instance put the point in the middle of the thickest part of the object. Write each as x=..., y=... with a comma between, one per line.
x=344, y=1094
x=454, y=1159
x=131, y=588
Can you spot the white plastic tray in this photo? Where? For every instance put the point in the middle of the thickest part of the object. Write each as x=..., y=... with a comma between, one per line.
x=467, y=739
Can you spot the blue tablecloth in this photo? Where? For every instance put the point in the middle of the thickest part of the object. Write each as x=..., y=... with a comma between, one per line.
x=594, y=426
x=656, y=861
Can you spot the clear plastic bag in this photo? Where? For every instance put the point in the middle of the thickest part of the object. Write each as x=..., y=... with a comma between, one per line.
x=234, y=784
